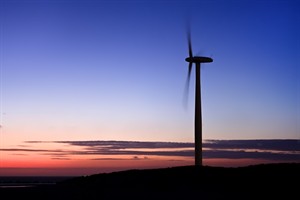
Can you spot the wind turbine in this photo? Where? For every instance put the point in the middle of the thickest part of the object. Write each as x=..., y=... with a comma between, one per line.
x=198, y=111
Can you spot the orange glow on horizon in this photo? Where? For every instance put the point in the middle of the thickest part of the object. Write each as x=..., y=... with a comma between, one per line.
x=89, y=157
x=87, y=167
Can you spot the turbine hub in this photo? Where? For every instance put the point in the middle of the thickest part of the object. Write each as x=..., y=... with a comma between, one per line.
x=198, y=59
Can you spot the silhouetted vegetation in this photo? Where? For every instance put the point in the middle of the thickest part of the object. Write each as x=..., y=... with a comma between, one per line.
x=253, y=182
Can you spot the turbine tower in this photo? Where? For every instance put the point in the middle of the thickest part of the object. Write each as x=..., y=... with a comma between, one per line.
x=198, y=111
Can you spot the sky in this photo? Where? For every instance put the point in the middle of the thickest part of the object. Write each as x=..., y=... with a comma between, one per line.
x=87, y=70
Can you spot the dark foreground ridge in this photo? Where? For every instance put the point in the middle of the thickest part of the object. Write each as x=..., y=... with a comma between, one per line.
x=267, y=181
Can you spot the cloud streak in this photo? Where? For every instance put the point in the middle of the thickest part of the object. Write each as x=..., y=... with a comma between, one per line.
x=279, y=145
x=274, y=150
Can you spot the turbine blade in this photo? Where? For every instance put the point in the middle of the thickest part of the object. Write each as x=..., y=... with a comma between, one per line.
x=190, y=71
x=187, y=86
x=190, y=43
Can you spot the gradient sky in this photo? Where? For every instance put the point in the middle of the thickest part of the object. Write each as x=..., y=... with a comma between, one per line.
x=115, y=70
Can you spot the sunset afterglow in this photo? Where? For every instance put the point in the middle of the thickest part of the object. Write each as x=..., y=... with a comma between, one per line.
x=97, y=86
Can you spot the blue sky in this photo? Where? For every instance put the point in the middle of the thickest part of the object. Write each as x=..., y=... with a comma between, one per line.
x=89, y=70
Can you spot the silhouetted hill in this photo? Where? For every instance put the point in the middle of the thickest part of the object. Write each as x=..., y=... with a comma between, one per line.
x=253, y=182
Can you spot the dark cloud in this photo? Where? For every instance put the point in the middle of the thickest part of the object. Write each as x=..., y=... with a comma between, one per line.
x=251, y=155
x=276, y=145
x=25, y=149
x=60, y=158
x=127, y=144
x=279, y=145
x=109, y=159
x=143, y=153
x=281, y=150
x=38, y=141
x=175, y=160
x=132, y=158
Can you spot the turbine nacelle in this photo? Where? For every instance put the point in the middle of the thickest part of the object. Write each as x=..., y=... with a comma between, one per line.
x=198, y=59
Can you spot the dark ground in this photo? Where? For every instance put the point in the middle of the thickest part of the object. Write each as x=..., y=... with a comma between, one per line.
x=280, y=181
